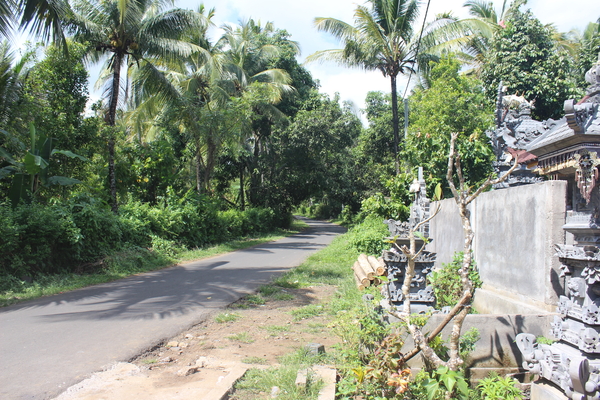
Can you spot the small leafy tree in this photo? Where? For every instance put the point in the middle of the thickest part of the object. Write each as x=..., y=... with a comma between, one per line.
x=524, y=56
x=30, y=171
x=463, y=196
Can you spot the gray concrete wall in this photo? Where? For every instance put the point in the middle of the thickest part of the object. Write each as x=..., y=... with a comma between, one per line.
x=515, y=232
x=496, y=347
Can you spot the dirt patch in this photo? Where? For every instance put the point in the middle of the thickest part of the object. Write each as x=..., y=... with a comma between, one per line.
x=213, y=353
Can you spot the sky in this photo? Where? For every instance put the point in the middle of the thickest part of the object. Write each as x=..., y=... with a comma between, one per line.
x=353, y=84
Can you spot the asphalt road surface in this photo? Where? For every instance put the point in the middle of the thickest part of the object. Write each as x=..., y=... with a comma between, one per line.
x=52, y=343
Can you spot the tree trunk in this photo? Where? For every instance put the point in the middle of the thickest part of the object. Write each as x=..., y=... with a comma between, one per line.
x=242, y=199
x=110, y=118
x=198, y=171
x=395, y=122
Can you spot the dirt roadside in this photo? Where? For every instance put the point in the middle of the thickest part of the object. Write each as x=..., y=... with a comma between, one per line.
x=213, y=353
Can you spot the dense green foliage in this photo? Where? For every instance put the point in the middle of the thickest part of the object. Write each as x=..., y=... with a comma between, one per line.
x=526, y=59
x=446, y=283
x=453, y=103
x=72, y=236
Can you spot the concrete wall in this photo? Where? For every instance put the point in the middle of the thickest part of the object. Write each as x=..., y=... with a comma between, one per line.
x=515, y=232
x=496, y=347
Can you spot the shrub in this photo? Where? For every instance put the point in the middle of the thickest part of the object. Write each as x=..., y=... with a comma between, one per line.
x=100, y=229
x=367, y=237
x=378, y=206
x=40, y=239
x=446, y=282
x=495, y=387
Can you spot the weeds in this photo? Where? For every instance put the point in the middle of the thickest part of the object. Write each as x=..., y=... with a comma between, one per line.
x=275, y=330
x=309, y=311
x=243, y=337
x=226, y=317
x=254, y=360
x=284, y=378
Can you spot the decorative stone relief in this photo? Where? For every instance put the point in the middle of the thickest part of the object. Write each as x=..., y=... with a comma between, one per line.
x=586, y=173
x=573, y=363
x=421, y=294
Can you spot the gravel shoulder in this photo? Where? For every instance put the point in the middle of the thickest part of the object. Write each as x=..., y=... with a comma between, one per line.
x=211, y=355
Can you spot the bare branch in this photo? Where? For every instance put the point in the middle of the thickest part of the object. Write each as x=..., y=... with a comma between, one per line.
x=451, y=155
x=455, y=310
x=490, y=181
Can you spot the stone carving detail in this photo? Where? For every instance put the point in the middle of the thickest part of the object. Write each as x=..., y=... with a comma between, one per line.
x=576, y=375
x=585, y=253
x=515, y=129
x=421, y=294
x=573, y=363
x=578, y=115
x=587, y=173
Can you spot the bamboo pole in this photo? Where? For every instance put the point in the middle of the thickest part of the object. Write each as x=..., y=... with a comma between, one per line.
x=366, y=282
x=359, y=285
x=377, y=265
x=366, y=266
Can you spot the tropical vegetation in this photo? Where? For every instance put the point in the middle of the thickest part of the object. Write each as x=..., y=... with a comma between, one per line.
x=201, y=140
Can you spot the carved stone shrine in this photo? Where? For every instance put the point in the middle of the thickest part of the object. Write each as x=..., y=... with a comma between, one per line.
x=568, y=150
x=421, y=293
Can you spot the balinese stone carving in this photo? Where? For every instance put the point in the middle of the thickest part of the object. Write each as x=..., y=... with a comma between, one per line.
x=568, y=150
x=586, y=173
x=515, y=129
x=563, y=365
x=421, y=294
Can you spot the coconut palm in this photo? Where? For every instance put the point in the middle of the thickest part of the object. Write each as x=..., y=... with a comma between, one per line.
x=382, y=38
x=13, y=72
x=133, y=34
x=252, y=51
x=45, y=19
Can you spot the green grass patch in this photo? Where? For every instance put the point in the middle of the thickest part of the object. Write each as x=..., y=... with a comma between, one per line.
x=227, y=317
x=315, y=327
x=329, y=266
x=273, y=292
x=255, y=299
x=254, y=360
x=276, y=330
x=282, y=297
x=304, y=357
x=256, y=381
x=309, y=311
x=243, y=337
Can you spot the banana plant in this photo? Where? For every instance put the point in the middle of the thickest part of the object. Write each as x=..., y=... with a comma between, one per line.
x=31, y=171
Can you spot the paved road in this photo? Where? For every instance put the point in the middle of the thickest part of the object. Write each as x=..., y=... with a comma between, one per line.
x=49, y=344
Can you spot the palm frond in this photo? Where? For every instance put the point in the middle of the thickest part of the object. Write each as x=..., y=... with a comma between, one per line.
x=335, y=27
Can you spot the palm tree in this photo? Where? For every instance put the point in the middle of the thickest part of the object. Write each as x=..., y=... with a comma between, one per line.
x=135, y=34
x=12, y=78
x=45, y=19
x=252, y=50
x=382, y=39
x=469, y=38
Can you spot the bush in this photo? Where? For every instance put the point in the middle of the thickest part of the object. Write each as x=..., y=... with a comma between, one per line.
x=39, y=239
x=446, y=282
x=495, y=387
x=49, y=239
x=378, y=206
x=368, y=236
x=102, y=232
